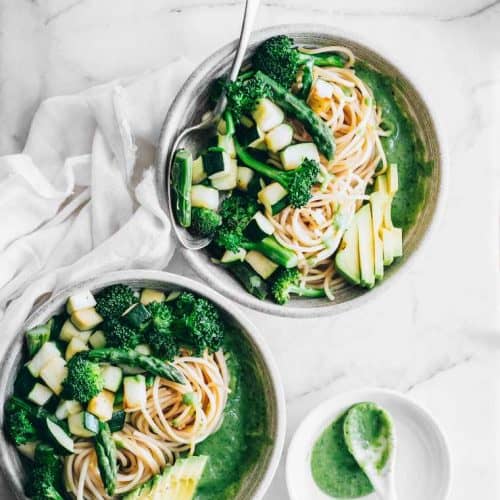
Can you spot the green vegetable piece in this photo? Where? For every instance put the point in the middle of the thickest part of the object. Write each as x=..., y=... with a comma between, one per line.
x=297, y=182
x=37, y=336
x=45, y=477
x=132, y=358
x=287, y=282
x=138, y=317
x=114, y=300
x=84, y=380
x=117, y=421
x=204, y=222
x=252, y=282
x=278, y=58
x=182, y=174
x=106, y=457
x=319, y=130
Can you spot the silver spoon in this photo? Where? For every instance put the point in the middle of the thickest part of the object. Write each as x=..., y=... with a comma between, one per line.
x=186, y=239
x=376, y=457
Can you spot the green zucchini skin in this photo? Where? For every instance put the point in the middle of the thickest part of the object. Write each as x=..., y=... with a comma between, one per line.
x=252, y=282
x=182, y=176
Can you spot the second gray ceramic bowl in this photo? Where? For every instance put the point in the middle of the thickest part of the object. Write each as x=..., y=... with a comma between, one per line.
x=256, y=482
x=192, y=101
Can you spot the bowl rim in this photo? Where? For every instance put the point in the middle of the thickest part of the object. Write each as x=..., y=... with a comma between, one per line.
x=48, y=307
x=322, y=412
x=266, y=306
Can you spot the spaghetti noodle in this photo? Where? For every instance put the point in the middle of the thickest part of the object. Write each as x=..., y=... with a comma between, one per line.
x=175, y=418
x=314, y=231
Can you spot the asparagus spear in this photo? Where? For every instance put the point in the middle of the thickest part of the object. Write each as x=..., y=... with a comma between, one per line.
x=133, y=358
x=106, y=457
x=182, y=173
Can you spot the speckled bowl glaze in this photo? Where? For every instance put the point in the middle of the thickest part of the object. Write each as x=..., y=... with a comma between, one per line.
x=256, y=482
x=191, y=103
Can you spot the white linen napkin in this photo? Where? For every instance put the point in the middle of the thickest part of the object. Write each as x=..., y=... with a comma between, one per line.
x=80, y=200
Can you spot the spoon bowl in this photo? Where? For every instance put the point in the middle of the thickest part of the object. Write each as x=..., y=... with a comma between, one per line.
x=195, y=137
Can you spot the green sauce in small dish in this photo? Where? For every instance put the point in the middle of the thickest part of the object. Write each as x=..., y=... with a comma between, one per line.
x=364, y=431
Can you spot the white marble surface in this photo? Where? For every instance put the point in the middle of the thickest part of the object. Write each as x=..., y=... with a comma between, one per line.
x=434, y=334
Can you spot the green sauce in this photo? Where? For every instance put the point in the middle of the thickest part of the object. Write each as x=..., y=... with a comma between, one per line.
x=403, y=147
x=360, y=439
x=242, y=438
x=334, y=469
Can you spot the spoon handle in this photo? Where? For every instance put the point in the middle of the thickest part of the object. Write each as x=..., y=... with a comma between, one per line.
x=251, y=8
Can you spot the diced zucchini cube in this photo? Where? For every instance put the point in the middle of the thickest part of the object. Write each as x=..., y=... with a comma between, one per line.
x=216, y=162
x=249, y=136
x=47, y=352
x=293, y=156
x=143, y=349
x=134, y=392
x=199, y=174
x=243, y=178
x=204, y=197
x=320, y=96
x=137, y=316
x=86, y=319
x=149, y=295
x=229, y=181
x=40, y=394
x=279, y=137
x=97, y=339
x=75, y=345
x=67, y=408
x=258, y=228
x=112, y=376
x=263, y=266
x=28, y=449
x=81, y=300
x=230, y=256
x=77, y=427
x=54, y=373
x=102, y=405
x=271, y=194
x=69, y=330
x=267, y=115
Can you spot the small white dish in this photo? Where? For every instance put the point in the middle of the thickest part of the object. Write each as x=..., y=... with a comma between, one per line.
x=423, y=464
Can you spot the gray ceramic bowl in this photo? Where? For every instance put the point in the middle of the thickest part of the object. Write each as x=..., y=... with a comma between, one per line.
x=258, y=479
x=191, y=103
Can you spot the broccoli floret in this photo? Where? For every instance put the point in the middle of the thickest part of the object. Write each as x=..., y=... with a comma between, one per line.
x=236, y=212
x=84, y=380
x=45, y=477
x=198, y=324
x=204, y=222
x=238, y=209
x=297, y=182
x=288, y=282
x=114, y=300
x=120, y=335
x=18, y=424
x=244, y=94
x=278, y=58
x=159, y=334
